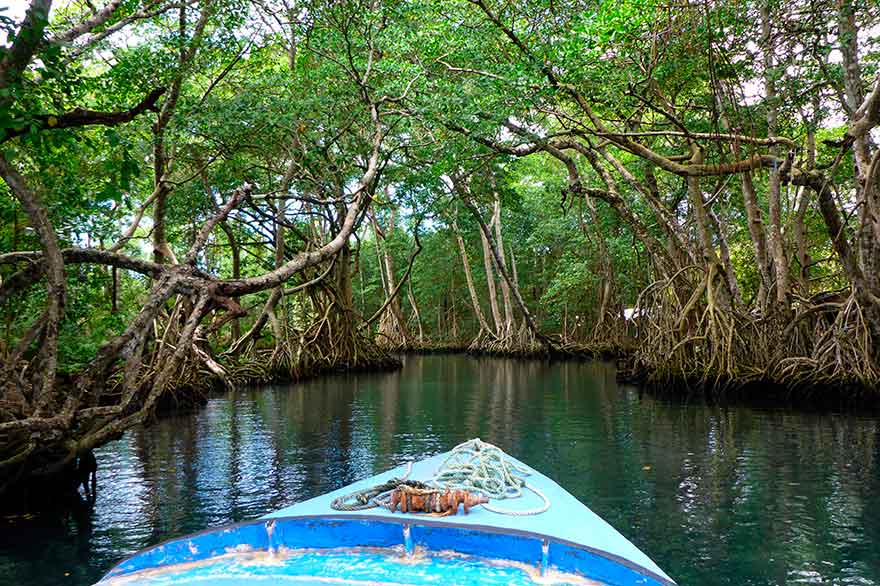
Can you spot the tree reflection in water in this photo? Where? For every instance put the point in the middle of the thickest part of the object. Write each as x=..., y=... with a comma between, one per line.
x=716, y=495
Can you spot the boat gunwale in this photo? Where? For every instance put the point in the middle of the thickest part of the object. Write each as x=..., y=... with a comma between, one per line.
x=400, y=520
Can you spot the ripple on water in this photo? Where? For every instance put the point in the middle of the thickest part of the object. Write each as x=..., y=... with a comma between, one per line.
x=718, y=496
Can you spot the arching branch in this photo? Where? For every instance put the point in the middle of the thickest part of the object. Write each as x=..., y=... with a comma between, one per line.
x=83, y=117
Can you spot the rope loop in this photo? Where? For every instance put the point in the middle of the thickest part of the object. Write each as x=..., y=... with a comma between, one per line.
x=483, y=468
x=474, y=466
x=367, y=498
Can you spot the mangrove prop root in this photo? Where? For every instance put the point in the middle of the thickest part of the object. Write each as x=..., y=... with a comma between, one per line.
x=167, y=362
x=694, y=338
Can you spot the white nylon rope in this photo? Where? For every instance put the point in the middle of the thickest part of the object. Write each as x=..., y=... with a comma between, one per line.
x=480, y=467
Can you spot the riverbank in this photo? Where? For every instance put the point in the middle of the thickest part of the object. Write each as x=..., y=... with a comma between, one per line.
x=846, y=395
x=39, y=484
x=264, y=368
x=764, y=392
x=753, y=386
x=570, y=350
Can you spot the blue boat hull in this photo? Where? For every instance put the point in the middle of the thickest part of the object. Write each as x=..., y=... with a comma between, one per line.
x=309, y=543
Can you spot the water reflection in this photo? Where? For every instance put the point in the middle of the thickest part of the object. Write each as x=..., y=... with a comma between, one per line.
x=715, y=495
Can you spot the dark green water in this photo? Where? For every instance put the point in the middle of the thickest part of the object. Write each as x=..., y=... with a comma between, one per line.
x=716, y=495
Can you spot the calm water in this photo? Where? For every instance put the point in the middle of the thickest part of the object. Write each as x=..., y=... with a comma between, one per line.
x=715, y=495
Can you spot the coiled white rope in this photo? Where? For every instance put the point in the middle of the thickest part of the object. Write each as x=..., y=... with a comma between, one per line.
x=480, y=467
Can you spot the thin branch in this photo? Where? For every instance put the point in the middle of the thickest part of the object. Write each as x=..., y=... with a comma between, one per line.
x=770, y=141
x=86, y=26
x=237, y=196
x=82, y=117
x=120, y=24
x=393, y=294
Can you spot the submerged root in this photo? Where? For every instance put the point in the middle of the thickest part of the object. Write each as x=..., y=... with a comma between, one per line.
x=519, y=341
x=326, y=344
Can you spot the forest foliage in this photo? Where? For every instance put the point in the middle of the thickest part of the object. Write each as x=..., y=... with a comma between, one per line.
x=213, y=192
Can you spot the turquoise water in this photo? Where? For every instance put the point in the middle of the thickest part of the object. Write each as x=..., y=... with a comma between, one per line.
x=715, y=495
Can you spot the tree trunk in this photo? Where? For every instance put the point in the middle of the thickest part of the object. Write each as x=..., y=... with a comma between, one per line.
x=236, y=269
x=509, y=325
x=415, y=309
x=392, y=324
x=114, y=290
x=868, y=198
x=455, y=332
x=753, y=215
x=800, y=228
x=774, y=188
x=515, y=283
x=606, y=265
x=490, y=283
x=469, y=279
x=664, y=262
x=280, y=255
x=499, y=263
x=724, y=250
x=45, y=328
x=704, y=234
x=848, y=37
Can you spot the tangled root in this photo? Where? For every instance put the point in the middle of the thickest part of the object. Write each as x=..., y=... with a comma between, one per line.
x=682, y=333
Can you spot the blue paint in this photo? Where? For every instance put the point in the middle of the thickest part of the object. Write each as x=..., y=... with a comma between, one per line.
x=568, y=538
x=363, y=567
x=567, y=558
x=470, y=541
x=567, y=519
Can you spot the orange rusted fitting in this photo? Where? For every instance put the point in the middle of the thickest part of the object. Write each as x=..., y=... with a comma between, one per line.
x=433, y=501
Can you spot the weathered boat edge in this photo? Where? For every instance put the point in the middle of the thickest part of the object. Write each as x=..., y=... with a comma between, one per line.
x=560, y=553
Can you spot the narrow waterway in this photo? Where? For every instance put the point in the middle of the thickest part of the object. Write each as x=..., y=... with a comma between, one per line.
x=716, y=495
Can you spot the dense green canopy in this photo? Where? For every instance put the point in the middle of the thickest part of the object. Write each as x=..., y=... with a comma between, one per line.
x=203, y=192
